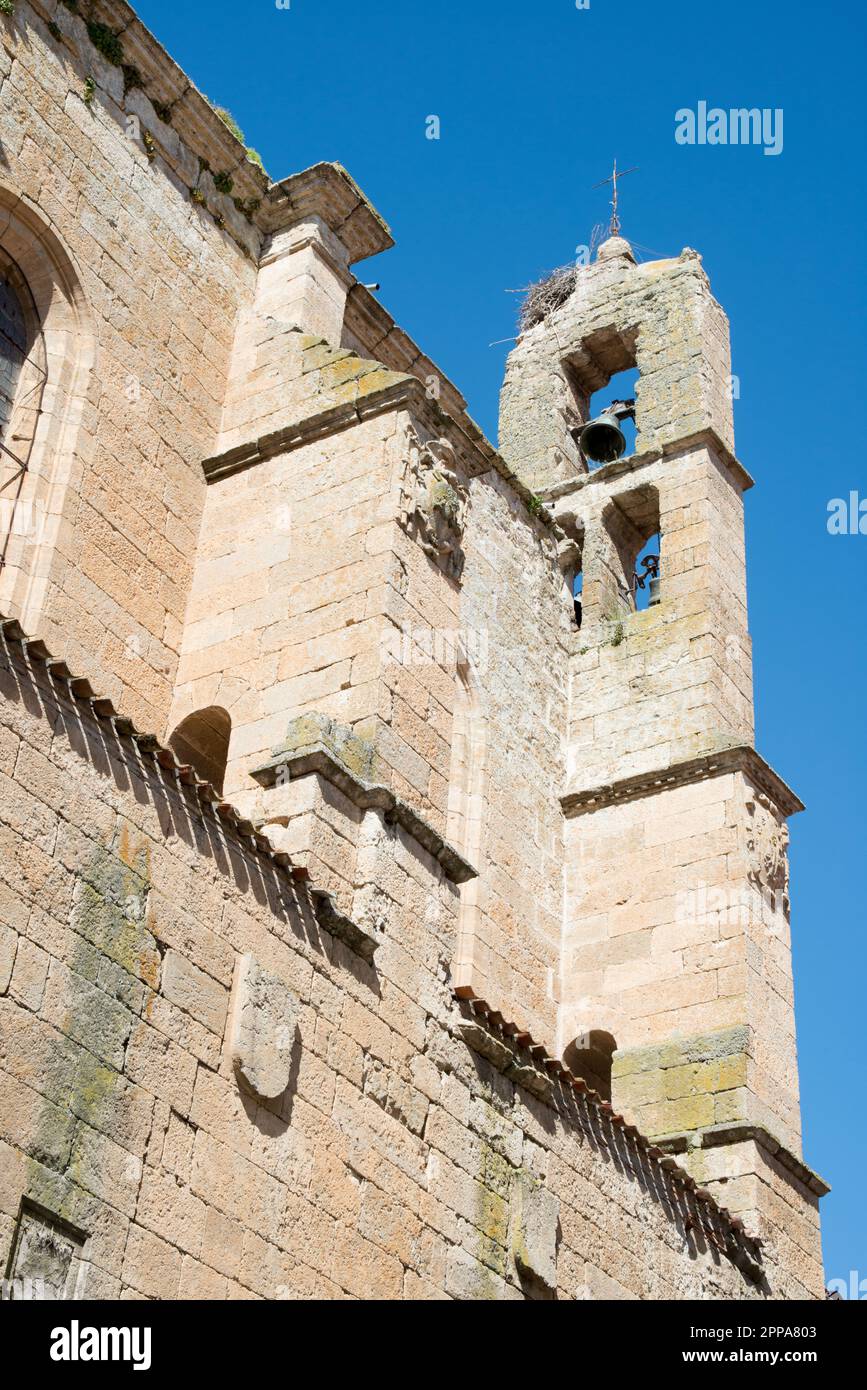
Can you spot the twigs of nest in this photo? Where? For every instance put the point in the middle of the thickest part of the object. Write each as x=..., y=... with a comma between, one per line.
x=546, y=295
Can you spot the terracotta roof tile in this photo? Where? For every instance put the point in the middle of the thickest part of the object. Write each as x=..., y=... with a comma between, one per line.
x=149, y=745
x=743, y=1249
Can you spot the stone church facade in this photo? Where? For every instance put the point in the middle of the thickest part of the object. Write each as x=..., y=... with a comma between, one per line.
x=368, y=926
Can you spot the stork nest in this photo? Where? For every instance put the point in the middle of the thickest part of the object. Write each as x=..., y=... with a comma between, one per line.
x=546, y=295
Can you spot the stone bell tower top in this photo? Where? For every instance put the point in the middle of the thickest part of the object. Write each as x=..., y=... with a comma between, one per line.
x=657, y=316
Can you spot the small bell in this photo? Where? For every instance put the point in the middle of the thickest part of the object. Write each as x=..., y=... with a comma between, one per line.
x=647, y=579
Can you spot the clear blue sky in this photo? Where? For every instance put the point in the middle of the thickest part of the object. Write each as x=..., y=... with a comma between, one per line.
x=536, y=98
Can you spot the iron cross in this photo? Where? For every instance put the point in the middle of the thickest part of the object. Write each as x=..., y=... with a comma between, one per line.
x=612, y=179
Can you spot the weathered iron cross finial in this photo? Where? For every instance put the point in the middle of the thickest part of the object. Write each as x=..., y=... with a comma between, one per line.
x=614, y=227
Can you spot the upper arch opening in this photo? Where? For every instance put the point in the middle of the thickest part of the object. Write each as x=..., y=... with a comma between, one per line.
x=202, y=741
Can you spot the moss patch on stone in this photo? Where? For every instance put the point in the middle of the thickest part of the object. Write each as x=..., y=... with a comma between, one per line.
x=106, y=42
x=108, y=920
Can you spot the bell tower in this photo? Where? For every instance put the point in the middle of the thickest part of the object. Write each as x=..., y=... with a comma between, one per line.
x=675, y=983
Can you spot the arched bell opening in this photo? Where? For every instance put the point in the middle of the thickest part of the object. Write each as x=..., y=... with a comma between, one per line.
x=631, y=561
x=570, y=558
x=577, y=592
x=646, y=575
x=603, y=380
x=610, y=420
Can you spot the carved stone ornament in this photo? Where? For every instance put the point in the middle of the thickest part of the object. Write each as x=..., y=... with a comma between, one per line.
x=767, y=847
x=434, y=500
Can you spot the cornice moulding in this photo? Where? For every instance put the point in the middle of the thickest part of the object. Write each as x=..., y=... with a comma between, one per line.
x=740, y=758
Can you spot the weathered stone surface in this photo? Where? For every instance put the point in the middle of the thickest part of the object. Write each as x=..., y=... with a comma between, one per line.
x=482, y=1041
x=195, y=992
x=310, y=731
x=686, y=1084
x=263, y=1029
x=30, y=974
x=535, y=1231
x=8, y=945
x=480, y=798
x=599, y=1286
x=434, y=500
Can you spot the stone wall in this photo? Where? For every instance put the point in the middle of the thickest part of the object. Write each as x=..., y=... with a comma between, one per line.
x=653, y=687
x=308, y=1064
x=285, y=613
x=677, y=926
x=152, y=287
x=397, y=1161
x=314, y=594
x=516, y=604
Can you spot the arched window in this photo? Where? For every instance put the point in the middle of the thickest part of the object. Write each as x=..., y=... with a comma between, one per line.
x=23, y=376
x=202, y=741
x=570, y=557
x=13, y=345
x=621, y=387
x=47, y=350
x=645, y=576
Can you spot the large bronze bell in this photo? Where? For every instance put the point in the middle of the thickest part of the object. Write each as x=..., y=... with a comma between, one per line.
x=602, y=439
